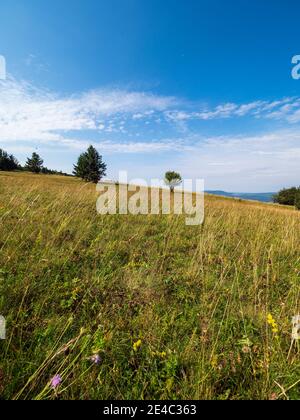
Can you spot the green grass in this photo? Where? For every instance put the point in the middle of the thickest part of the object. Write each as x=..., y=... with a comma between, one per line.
x=74, y=283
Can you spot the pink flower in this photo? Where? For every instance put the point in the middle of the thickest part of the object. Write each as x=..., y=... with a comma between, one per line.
x=56, y=381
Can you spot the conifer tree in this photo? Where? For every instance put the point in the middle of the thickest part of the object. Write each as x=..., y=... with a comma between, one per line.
x=34, y=164
x=90, y=166
x=8, y=162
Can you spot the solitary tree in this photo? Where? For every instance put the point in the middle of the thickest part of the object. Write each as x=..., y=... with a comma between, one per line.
x=34, y=164
x=90, y=166
x=172, y=179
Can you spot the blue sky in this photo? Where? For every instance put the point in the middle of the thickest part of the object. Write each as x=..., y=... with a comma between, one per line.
x=202, y=87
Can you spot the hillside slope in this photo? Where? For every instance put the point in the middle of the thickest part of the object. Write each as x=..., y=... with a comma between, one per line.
x=173, y=311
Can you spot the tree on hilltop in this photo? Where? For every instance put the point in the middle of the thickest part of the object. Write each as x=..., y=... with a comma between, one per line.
x=34, y=164
x=90, y=166
x=173, y=179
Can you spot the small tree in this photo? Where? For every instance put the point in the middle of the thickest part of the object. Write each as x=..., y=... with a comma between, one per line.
x=172, y=179
x=90, y=166
x=34, y=164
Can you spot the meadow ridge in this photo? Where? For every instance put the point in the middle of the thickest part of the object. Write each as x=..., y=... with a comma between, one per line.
x=145, y=307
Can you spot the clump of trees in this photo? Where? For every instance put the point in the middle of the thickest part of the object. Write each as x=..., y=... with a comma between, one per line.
x=90, y=166
x=8, y=162
x=173, y=179
x=288, y=197
x=33, y=164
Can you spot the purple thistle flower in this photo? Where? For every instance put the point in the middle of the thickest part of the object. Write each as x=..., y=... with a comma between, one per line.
x=56, y=381
x=96, y=359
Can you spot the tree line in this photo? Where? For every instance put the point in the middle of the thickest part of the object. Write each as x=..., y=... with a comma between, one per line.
x=8, y=162
x=33, y=164
x=90, y=166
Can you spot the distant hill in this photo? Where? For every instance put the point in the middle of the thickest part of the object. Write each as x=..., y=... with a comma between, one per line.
x=263, y=197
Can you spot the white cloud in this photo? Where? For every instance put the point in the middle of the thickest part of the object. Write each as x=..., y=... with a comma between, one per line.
x=37, y=115
x=260, y=163
x=263, y=162
x=31, y=117
x=286, y=109
x=110, y=147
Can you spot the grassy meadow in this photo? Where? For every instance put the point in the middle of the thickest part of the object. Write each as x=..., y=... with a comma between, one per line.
x=173, y=311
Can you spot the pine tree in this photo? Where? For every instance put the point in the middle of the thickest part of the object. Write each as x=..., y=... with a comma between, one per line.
x=90, y=166
x=8, y=162
x=34, y=164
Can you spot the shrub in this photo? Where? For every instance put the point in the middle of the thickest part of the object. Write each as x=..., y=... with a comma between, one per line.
x=287, y=196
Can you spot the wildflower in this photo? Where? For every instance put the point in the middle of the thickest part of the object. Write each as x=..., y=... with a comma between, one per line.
x=214, y=362
x=95, y=359
x=55, y=381
x=271, y=321
x=137, y=345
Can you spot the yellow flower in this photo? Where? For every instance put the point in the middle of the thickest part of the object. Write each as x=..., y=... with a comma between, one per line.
x=214, y=361
x=137, y=345
x=271, y=321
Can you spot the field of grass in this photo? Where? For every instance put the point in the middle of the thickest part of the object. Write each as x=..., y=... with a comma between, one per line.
x=174, y=311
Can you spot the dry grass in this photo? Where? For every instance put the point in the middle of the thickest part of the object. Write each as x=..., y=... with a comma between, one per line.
x=73, y=283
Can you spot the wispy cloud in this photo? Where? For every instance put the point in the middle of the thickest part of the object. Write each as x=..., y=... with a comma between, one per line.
x=110, y=147
x=261, y=162
x=37, y=115
x=287, y=109
x=40, y=117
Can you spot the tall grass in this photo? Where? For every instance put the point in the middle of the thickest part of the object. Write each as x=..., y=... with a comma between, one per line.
x=74, y=283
